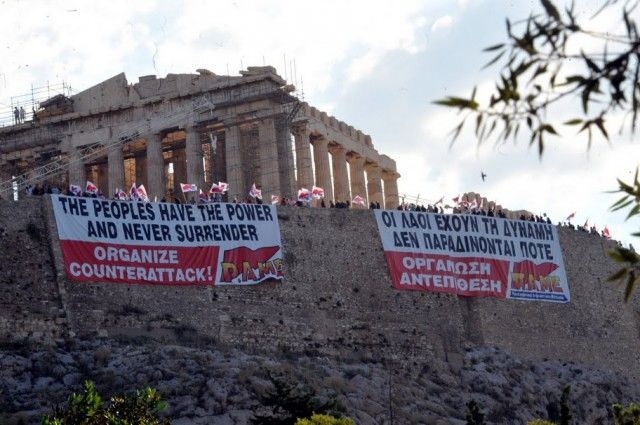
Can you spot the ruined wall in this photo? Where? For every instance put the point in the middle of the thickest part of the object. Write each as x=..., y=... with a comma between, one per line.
x=109, y=93
x=337, y=300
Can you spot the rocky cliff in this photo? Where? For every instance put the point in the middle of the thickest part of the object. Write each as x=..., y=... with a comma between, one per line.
x=424, y=355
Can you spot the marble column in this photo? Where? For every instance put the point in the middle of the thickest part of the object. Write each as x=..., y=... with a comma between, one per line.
x=193, y=152
x=235, y=175
x=141, y=172
x=390, y=180
x=356, y=166
x=155, y=167
x=219, y=165
x=102, y=178
x=77, y=172
x=340, y=174
x=116, y=169
x=303, y=158
x=323, y=172
x=268, y=159
x=179, y=171
x=286, y=163
x=374, y=184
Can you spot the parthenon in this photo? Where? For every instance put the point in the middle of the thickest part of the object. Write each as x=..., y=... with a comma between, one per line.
x=198, y=128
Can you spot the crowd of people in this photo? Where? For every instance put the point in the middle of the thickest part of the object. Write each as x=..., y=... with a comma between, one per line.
x=45, y=189
x=585, y=228
x=490, y=212
x=290, y=202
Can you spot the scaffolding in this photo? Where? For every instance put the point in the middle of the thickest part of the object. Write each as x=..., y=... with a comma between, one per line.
x=95, y=151
x=30, y=102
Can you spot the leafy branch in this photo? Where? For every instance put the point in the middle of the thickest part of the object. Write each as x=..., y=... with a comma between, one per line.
x=629, y=273
x=539, y=69
x=530, y=81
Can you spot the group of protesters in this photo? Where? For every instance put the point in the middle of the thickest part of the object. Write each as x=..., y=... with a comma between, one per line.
x=45, y=189
x=291, y=202
x=585, y=229
x=490, y=212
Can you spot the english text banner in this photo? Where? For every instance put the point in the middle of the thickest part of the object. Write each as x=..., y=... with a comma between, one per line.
x=170, y=244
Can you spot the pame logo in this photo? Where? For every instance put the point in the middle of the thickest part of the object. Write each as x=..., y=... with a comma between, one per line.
x=245, y=265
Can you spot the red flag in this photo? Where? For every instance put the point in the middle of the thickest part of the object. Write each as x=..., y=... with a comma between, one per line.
x=202, y=197
x=221, y=187
x=76, y=190
x=304, y=195
x=133, y=192
x=142, y=193
x=255, y=192
x=91, y=188
x=573, y=214
x=188, y=187
x=275, y=199
x=358, y=200
x=456, y=199
x=317, y=192
x=606, y=233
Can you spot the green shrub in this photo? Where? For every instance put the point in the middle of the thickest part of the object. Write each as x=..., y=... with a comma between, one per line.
x=291, y=398
x=629, y=415
x=87, y=408
x=324, y=420
x=540, y=422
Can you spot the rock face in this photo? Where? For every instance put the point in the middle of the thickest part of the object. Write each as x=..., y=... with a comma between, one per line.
x=335, y=306
x=211, y=386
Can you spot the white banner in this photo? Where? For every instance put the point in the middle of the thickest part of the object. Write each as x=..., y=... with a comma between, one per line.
x=174, y=244
x=473, y=255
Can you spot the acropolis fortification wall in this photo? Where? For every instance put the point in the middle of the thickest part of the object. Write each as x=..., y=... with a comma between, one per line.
x=336, y=300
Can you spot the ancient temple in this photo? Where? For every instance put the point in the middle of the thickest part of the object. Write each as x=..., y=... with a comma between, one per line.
x=197, y=128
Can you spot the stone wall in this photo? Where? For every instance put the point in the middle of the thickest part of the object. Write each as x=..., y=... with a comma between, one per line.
x=336, y=300
x=596, y=328
x=30, y=306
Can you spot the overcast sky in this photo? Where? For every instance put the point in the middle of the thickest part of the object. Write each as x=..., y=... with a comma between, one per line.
x=376, y=65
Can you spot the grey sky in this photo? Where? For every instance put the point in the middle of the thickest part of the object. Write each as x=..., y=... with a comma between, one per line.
x=377, y=65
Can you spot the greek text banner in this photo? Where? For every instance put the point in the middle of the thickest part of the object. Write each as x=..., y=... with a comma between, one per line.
x=171, y=244
x=473, y=255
